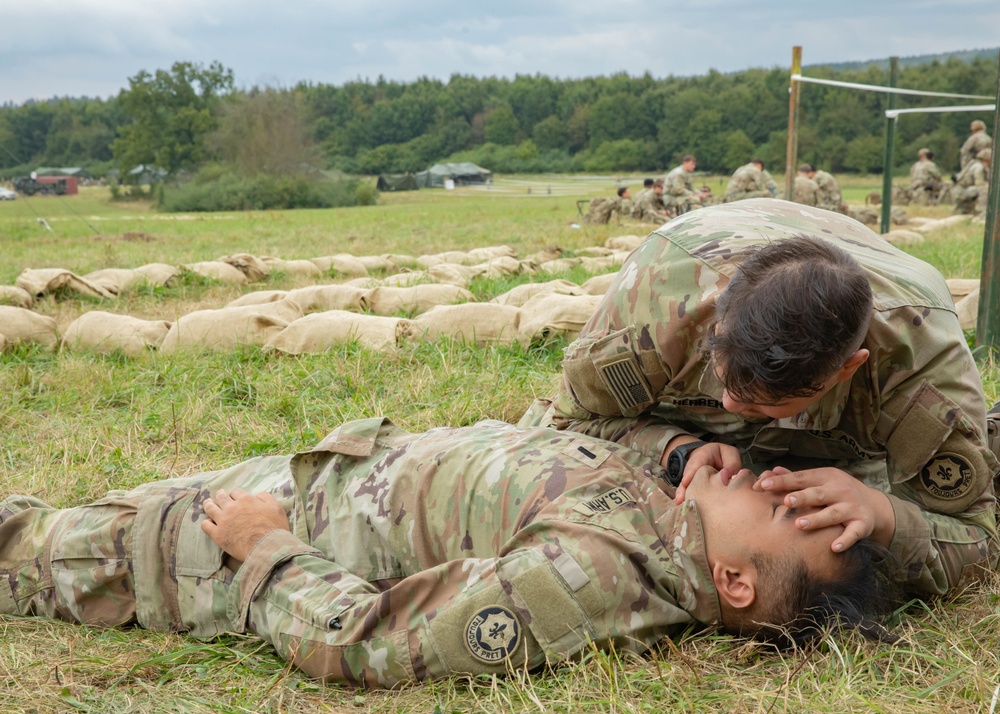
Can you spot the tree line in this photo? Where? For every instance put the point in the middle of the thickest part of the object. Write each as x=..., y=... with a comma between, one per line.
x=191, y=116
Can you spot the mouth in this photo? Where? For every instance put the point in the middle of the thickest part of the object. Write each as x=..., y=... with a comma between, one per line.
x=739, y=478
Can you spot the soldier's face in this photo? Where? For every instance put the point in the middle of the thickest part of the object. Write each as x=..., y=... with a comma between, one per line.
x=739, y=520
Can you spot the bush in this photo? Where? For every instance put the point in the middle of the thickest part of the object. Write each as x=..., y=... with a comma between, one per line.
x=213, y=190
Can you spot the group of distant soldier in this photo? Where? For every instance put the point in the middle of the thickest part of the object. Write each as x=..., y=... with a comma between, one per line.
x=674, y=194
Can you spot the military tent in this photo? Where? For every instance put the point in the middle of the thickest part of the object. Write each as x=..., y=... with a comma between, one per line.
x=397, y=182
x=461, y=173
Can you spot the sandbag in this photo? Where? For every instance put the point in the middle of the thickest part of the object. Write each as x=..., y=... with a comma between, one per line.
x=47, y=280
x=560, y=265
x=416, y=277
x=114, y=280
x=231, y=326
x=250, y=265
x=550, y=252
x=599, y=284
x=20, y=325
x=901, y=236
x=3, y=343
x=413, y=300
x=481, y=323
x=217, y=270
x=520, y=294
x=491, y=252
x=938, y=224
x=158, y=273
x=453, y=273
x=501, y=267
x=293, y=268
x=551, y=315
x=595, y=251
x=628, y=243
x=456, y=257
x=323, y=331
x=13, y=295
x=366, y=283
x=960, y=287
x=426, y=261
x=967, y=310
x=318, y=298
x=375, y=263
x=402, y=262
x=601, y=264
x=106, y=332
x=342, y=264
x=258, y=297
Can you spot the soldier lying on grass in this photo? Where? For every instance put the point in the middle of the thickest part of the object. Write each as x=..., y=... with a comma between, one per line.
x=381, y=556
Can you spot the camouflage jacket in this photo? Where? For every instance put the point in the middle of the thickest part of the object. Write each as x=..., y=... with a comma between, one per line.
x=677, y=187
x=649, y=207
x=910, y=423
x=973, y=174
x=973, y=145
x=829, y=196
x=924, y=175
x=412, y=556
x=805, y=190
x=747, y=182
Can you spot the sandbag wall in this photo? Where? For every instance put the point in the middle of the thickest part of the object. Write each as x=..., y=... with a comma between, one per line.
x=432, y=290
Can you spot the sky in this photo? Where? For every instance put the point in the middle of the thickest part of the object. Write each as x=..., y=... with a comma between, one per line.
x=91, y=47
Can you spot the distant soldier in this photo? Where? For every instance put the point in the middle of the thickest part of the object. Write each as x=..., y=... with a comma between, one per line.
x=925, y=180
x=748, y=182
x=678, y=189
x=649, y=207
x=600, y=209
x=829, y=196
x=972, y=185
x=976, y=142
x=805, y=189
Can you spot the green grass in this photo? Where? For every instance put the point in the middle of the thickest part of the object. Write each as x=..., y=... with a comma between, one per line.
x=74, y=425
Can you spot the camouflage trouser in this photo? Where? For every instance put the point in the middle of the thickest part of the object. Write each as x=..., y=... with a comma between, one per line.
x=73, y=564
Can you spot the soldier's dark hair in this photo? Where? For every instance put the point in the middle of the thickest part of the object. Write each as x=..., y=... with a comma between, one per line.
x=658, y=183
x=792, y=315
x=759, y=162
x=929, y=154
x=622, y=189
x=793, y=607
x=688, y=157
x=648, y=183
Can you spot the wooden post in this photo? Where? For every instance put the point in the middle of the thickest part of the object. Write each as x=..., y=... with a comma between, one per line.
x=792, y=148
x=890, y=145
x=988, y=320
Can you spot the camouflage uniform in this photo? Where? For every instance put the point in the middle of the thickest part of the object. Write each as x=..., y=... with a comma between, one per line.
x=649, y=207
x=925, y=183
x=805, y=190
x=829, y=197
x=910, y=423
x=747, y=182
x=678, y=190
x=472, y=550
x=971, y=187
x=769, y=184
x=976, y=142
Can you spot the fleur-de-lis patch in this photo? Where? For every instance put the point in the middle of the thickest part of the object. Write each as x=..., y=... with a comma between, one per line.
x=492, y=634
x=947, y=476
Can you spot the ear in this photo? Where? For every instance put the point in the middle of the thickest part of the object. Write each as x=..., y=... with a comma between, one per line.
x=737, y=586
x=852, y=364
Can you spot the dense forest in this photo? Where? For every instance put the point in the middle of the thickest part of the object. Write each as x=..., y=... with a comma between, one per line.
x=189, y=117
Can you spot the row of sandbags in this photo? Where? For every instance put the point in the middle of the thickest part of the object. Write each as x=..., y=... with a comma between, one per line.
x=282, y=326
x=453, y=267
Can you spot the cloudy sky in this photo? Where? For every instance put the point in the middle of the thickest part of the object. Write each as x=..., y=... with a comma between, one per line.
x=91, y=47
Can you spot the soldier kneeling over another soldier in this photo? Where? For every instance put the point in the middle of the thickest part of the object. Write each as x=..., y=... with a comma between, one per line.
x=381, y=556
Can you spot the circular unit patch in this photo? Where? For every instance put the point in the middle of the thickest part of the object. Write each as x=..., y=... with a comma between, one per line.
x=947, y=476
x=492, y=634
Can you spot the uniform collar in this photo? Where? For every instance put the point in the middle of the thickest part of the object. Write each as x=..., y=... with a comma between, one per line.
x=684, y=536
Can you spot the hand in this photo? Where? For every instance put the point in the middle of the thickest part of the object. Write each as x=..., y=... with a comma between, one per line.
x=842, y=499
x=237, y=520
x=724, y=457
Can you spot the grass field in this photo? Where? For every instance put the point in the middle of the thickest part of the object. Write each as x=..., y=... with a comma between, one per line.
x=74, y=425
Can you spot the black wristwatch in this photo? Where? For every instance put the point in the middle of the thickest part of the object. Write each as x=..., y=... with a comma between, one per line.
x=678, y=460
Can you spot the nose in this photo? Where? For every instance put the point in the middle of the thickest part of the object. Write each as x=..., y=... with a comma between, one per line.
x=731, y=405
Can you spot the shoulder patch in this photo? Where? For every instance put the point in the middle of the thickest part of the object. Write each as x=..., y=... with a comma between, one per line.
x=947, y=476
x=606, y=502
x=626, y=383
x=492, y=634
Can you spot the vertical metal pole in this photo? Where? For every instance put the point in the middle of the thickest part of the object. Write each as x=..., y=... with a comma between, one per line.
x=988, y=320
x=792, y=148
x=890, y=145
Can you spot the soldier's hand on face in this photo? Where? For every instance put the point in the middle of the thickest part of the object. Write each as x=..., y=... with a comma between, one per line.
x=237, y=520
x=723, y=457
x=841, y=498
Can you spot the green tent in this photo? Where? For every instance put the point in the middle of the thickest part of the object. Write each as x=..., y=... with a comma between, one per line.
x=397, y=182
x=461, y=173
